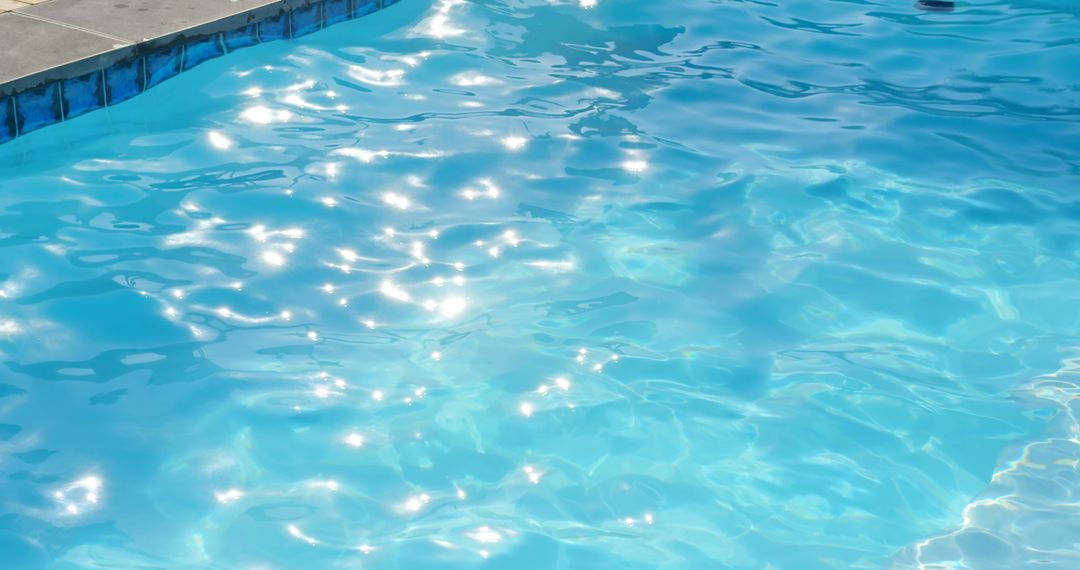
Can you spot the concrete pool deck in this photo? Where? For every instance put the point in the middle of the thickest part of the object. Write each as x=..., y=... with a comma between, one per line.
x=49, y=40
x=62, y=58
x=9, y=5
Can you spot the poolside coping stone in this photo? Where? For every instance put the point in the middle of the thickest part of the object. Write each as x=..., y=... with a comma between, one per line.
x=31, y=47
x=128, y=46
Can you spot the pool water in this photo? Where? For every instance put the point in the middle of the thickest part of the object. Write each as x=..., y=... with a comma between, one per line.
x=532, y=284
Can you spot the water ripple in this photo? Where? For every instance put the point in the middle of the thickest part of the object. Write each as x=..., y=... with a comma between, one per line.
x=558, y=284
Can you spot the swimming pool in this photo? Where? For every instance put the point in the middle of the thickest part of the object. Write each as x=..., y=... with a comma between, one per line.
x=537, y=284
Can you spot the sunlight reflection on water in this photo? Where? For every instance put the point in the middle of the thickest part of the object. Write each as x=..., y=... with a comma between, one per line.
x=556, y=284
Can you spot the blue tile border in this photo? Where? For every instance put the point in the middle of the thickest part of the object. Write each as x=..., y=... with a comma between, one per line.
x=274, y=28
x=7, y=119
x=38, y=108
x=164, y=64
x=335, y=11
x=241, y=37
x=124, y=80
x=198, y=51
x=63, y=99
x=80, y=95
x=306, y=20
x=364, y=7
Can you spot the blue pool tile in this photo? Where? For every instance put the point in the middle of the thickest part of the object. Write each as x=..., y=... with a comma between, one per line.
x=198, y=51
x=7, y=120
x=243, y=37
x=124, y=81
x=335, y=11
x=275, y=28
x=83, y=94
x=306, y=20
x=37, y=108
x=364, y=7
x=163, y=64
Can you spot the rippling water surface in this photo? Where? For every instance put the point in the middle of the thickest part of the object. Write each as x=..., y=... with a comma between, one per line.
x=532, y=285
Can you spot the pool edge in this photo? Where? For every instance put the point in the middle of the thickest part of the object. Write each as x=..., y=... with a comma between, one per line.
x=112, y=76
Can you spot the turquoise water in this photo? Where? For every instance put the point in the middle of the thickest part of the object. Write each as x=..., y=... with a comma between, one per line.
x=575, y=285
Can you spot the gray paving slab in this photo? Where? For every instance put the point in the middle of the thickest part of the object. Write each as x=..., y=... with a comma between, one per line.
x=33, y=46
x=60, y=59
x=9, y=5
x=141, y=20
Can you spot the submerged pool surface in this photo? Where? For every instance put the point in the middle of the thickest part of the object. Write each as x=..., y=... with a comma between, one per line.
x=536, y=285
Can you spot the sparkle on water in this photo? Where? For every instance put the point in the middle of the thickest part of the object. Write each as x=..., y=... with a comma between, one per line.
x=541, y=284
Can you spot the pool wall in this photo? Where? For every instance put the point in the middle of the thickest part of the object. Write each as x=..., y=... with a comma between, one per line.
x=115, y=75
